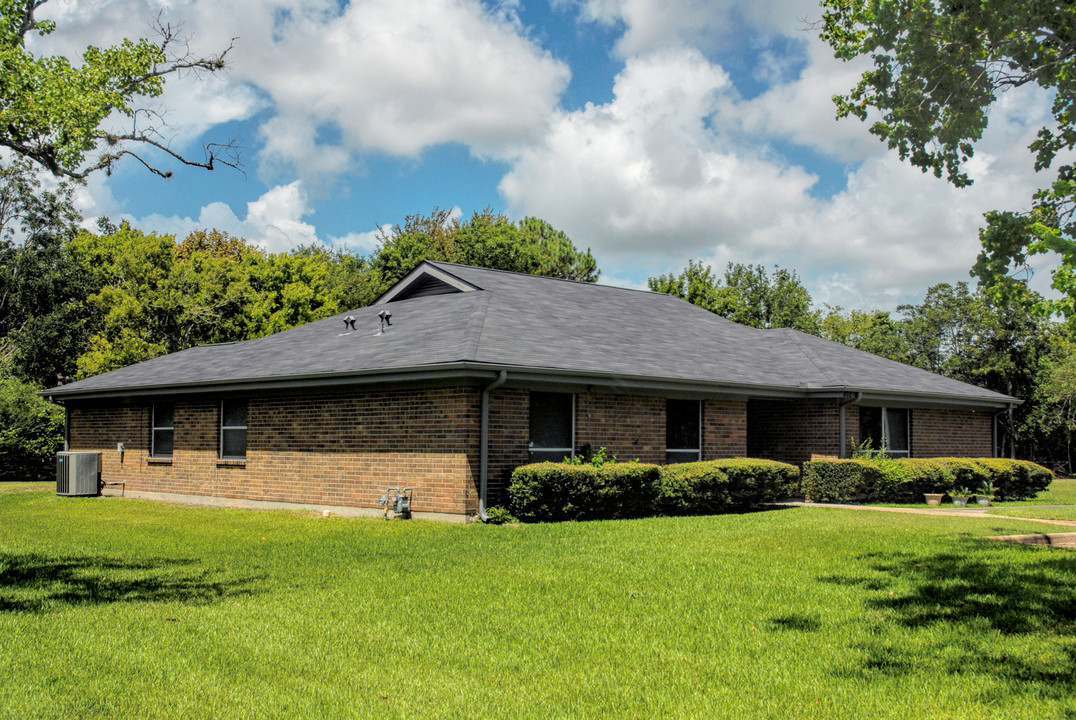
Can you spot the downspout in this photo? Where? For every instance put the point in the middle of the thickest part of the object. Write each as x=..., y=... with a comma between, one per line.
x=997, y=447
x=483, y=445
x=844, y=435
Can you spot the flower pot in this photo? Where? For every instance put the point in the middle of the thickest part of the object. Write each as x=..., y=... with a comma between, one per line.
x=960, y=501
x=934, y=499
x=982, y=499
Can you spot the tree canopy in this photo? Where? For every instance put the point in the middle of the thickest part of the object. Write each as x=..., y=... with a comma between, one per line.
x=486, y=239
x=747, y=294
x=54, y=112
x=938, y=67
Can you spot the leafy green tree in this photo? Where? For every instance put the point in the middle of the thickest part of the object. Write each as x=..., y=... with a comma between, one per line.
x=939, y=66
x=747, y=294
x=54, y=111
x=1054, y=413
x=31, y=432
x=486, y=239
x=874, y=332
x=158, y=297
x=44, y=319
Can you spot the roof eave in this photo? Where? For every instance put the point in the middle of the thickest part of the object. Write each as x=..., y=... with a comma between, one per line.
x=471, y=371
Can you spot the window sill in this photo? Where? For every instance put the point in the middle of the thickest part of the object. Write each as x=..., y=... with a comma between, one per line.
x=158, y=461
x=231, y=462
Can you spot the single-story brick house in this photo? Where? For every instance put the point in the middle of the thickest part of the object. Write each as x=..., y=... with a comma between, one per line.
x=459, y=374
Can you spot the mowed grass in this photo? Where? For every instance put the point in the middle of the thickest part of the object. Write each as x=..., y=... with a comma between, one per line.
x=113, y=608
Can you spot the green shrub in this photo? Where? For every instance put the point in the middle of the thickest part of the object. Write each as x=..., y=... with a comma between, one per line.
x=1016, y=479
x=715, y=486
x=905, y=480
x=498, y=515
x=31, y=433
x=843, y=481
x=557, y=491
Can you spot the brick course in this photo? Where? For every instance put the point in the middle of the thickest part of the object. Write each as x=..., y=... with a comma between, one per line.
x=793, y=430
x=346, y=449
x=328, y=450
x=941, y=433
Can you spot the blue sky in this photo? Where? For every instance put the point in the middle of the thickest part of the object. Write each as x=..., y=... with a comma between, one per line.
x=650, y=131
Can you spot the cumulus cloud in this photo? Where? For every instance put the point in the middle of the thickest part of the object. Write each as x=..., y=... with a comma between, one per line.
x=660, y=174
x=273, y=222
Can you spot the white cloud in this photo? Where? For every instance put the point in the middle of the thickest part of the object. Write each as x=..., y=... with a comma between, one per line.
x=273, y=222
x=651, y=25
x=660, y=173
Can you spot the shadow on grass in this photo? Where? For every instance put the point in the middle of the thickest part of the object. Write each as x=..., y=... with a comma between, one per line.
x=1009, y=614
x=35, y=583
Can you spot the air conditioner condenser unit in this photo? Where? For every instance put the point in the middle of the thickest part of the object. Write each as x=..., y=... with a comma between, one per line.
x=78, y=473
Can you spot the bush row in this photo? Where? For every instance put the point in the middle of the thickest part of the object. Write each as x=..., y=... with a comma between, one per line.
x=905, y=480
x=557, y=491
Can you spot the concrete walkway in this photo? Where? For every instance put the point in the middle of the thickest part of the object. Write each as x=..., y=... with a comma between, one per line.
x=1061, y=540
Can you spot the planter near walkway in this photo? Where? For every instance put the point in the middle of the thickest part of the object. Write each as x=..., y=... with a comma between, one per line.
x=934, y=499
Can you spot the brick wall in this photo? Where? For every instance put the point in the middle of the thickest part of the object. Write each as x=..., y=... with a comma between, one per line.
x=509, y=429
x=724, y=428
x=628, y=426
x=792, y=430
x=329, y=450
x=939, y=433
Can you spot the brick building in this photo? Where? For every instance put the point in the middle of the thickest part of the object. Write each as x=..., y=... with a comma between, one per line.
x=459, y=374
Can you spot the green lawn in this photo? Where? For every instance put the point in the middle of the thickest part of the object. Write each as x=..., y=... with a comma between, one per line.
x=124, y=608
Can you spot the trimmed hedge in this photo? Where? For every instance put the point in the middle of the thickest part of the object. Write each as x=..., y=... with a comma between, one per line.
x=905, y=480
x=558, y=491
x=715, y=486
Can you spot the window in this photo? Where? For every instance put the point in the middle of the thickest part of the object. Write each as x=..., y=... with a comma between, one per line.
x=233, y=429
x=552, y=426
x=162, y=430
x=683, y=431
x=885, y=427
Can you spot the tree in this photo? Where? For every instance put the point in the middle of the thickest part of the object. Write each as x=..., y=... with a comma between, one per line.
x=54, y=112
x=157, y=297
x=939, y=66
x=487, y=239
x=747, y=294
x=874, y=332
x=44, y=319
x=31, y=432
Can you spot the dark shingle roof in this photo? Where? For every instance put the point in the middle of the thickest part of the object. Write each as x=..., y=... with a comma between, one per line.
x=542, y=325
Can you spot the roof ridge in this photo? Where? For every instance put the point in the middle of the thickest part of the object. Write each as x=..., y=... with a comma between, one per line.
x=793, y=335
x=478, y=318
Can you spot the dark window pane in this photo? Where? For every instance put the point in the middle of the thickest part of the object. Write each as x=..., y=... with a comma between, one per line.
x=870, y=426
x=551, y=420
x=162, y=443
x=235, y=413
x=682, y=425
x=681, y=457
x=234, y=443
x=896, y=422
x=162, y=415
x=548, y=455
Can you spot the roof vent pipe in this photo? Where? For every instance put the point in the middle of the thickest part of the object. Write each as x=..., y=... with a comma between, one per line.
x=349, y=322
x=386, y=321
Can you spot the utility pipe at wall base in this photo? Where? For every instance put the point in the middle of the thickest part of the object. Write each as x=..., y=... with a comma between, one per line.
x=843, y=447
x=483, y=445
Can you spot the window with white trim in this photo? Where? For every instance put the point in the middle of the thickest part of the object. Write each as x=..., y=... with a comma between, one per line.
x=683, y=430
x=233, y=429
x=162, y=430
x=552, y=426
x=886, y=428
